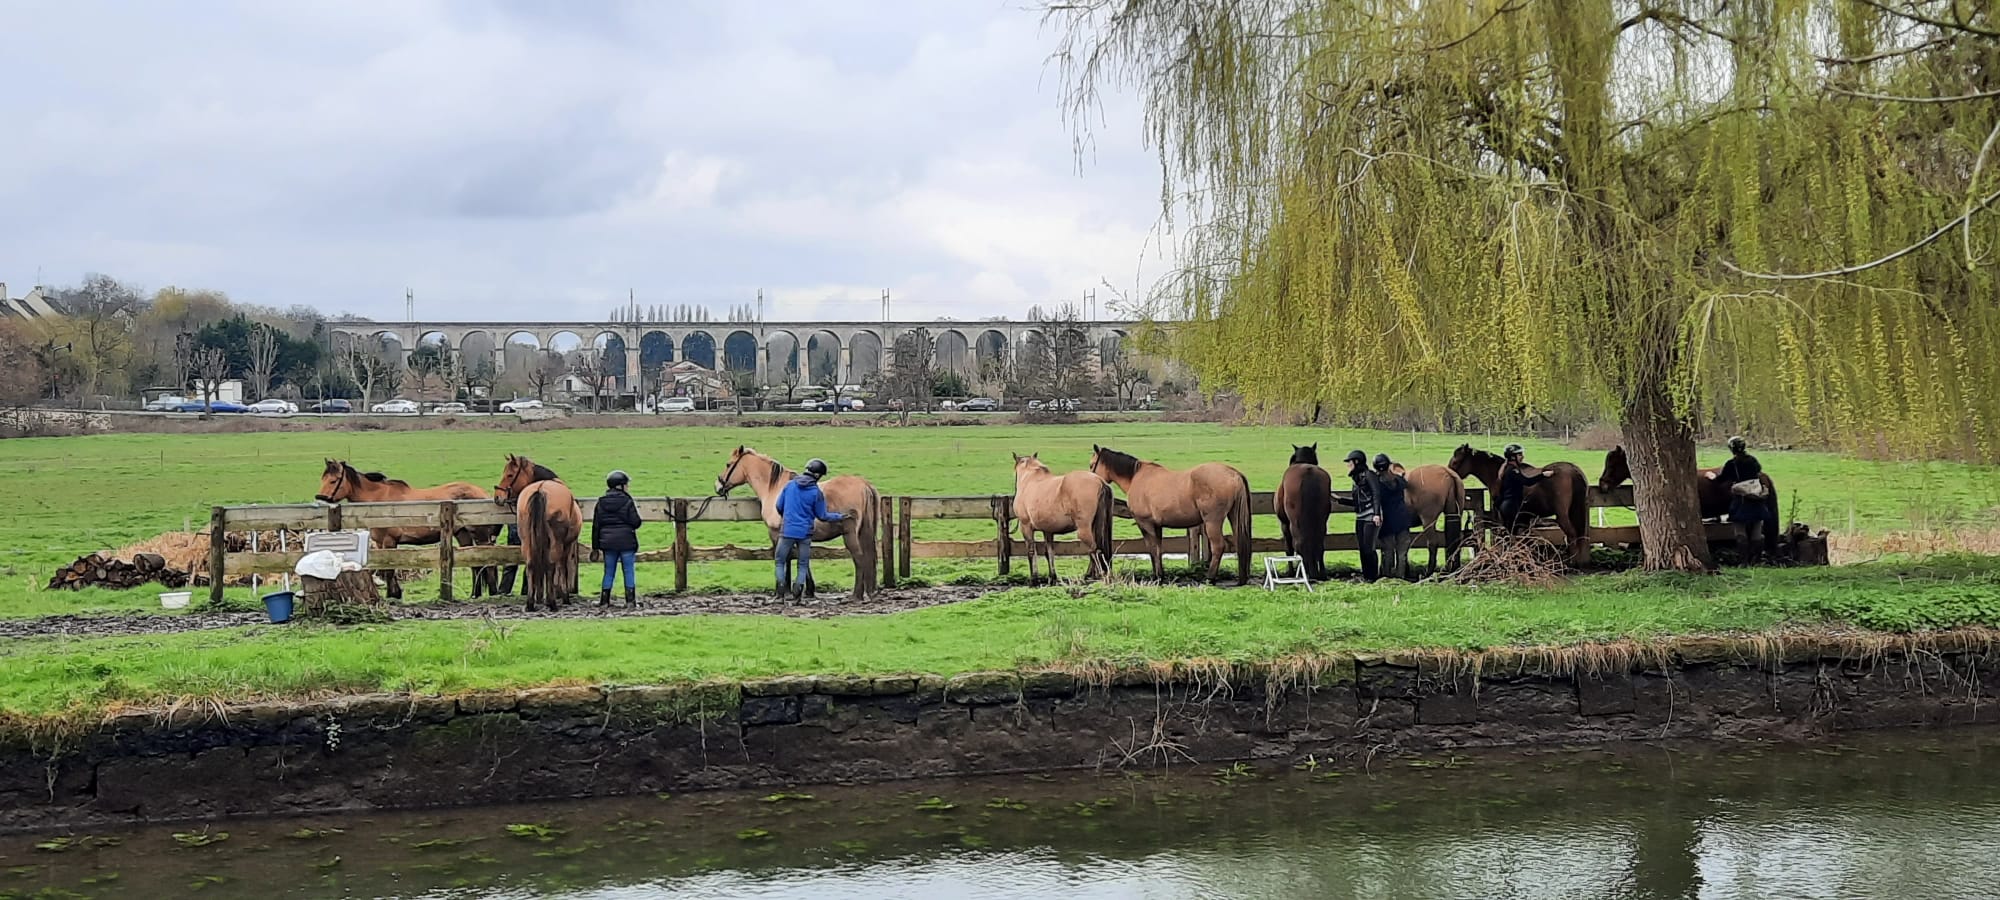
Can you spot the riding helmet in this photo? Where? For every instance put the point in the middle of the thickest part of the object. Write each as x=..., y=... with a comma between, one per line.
x=617, y=478
x=1738, y=445
x=1356, y=456
x=1511, y=451
x=1381, y=462
x=816, y=467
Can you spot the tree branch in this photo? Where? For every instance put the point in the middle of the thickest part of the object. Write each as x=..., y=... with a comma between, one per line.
x=1926, y=241
x=1913, y=15
x=1898, y=98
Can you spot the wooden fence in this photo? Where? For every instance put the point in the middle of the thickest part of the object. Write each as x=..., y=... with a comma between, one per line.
x=896, y=547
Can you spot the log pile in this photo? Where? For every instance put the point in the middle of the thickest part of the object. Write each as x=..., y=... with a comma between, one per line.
x=108, y=571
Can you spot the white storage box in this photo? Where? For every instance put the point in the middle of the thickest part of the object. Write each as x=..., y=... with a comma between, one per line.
x=351, y=545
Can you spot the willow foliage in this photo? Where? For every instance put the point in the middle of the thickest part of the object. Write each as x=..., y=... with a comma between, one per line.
x=1487, y=208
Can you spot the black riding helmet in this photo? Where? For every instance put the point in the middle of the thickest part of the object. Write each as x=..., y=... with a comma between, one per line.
x=1511, y=451
x=1356, y=456
x=1738, y=445
x=1381, y=462
x=617, y=478
x=816, y=467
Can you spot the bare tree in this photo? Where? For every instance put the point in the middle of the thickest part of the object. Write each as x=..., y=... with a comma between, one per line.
x=590, y=366
x=183, y=359
x=482, y=377
x=1123, y=376
x=366, y=368
x=912, y=370
x=549, y=368
x=212, y=365
x=100, y=314
x=264, y=346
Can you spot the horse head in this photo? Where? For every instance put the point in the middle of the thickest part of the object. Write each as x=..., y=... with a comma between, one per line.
x=514, y=478
x=336, y=483
x=1030, y=463
x=734, y=475
x=1461, y=460
x=1617, y=469
x=1307, y=455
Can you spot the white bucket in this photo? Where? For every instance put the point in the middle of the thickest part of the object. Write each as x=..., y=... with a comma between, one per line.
x=175, y=599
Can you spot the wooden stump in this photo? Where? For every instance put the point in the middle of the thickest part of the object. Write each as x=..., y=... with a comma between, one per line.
x=350, y=597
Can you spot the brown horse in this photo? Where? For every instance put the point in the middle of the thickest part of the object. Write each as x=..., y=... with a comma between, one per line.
x=1060, y=504
x=1564, y=495
x=550, y=522
x=1304, y=501
x=1713, y=493
x=341, y=483
x=1436, y=492
x=1201, y=497
x=850, y=495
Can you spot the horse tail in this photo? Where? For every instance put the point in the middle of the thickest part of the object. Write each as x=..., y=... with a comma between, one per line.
x=540, y=541
x=1315, y=508
x=1454, y=519
x=1579, y=511
x=1239, y=522
x=1100, y=528
x=867, y=575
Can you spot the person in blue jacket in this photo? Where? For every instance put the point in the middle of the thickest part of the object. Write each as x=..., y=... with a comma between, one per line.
x=802, y=506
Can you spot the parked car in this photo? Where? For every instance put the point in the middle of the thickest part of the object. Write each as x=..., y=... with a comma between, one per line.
x=401, y=407
x=519, y=404
x=331, y=406
x=980, y=404
x=677, y=405
x=169, y=403
x=273, y=405
x=847, y=404
x=453, y=408
x=221, y=406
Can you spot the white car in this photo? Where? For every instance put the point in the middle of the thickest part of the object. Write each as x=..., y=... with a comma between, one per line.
x=518, y=405
x=405, y=407
x=168, y=403
x=274, y=405
x=449, y=409
x=677, y=405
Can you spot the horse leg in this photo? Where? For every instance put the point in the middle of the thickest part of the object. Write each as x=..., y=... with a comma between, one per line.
x=1049, y=555
x=1151, y=533
x=1285, y=526
x=1213, y=529
x=1028, y=537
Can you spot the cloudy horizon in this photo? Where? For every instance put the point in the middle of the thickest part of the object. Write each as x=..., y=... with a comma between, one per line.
x=506, y=160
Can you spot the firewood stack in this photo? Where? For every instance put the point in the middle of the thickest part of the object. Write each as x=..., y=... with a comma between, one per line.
x=105, y=571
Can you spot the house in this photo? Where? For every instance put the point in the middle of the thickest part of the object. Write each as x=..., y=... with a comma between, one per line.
x=33, y=307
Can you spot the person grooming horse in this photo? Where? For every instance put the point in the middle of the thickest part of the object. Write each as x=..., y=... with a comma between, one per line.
x=1748, y=511
x=1367, y=513
x=1515, y=476
x=614, y=531
x=1395, y=536
x=801, y=504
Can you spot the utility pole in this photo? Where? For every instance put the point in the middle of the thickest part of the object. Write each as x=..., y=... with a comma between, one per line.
x=760, y=306
x=885, y=306
x=1090, y=305
x=409, y=306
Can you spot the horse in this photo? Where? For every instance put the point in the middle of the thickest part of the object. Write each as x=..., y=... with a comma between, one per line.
x=1304, y=501
x=1059, y=504
x=851, y=495
x=341, y=483
x=550, y=522
x=1201, y=497
x=1714, y=495
x=1436, y=492
x=1564, y=495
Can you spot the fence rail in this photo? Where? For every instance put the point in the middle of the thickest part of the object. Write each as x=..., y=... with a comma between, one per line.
x=895, y=552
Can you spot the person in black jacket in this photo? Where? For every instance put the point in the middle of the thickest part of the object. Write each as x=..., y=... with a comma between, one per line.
x=1515, y=476
x=614, y=532
x=1367, y=513
x=1749, y=514
x=1394, y=534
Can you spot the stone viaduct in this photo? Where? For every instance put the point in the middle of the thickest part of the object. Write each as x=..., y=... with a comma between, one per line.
x=849, y=351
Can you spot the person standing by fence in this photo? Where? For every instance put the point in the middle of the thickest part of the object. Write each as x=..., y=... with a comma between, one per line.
x=1515, y=476
x=614, y=532
x=802, y=506
x=1367, y=513
x=1395, y=536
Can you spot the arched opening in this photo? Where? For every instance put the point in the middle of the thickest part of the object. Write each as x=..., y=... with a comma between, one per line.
x=739, y=352
x=389, y=346
x=610, y=347
x=656, y=353
x=823, y=358
x=990, y=362
x=565, y=343
x=864, y=351
x=954, y=354
x=520, y=350
x=781, y=350
x=434, y=339
x=699, y=348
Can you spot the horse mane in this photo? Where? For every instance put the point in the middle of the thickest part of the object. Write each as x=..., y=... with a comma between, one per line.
x=544, y=473
x=1123, y=465
x=777, y=471
x=384, y=479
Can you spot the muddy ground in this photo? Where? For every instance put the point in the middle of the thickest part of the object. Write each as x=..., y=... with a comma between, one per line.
x=827, y=605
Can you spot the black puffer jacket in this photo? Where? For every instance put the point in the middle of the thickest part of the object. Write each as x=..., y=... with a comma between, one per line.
x=614, y=526
x=1366, y=504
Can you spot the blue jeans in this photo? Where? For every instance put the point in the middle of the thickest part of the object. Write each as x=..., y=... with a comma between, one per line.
x=615, y=558
x=788, y=548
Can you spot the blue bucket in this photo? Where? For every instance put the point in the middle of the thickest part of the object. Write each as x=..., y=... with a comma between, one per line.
x=279, y=605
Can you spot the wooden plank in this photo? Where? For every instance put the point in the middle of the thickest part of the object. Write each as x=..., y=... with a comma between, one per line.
x=447, y=543
x=1616, y=497
x=903, y=541
x=266, y=518
x=1003, y=511
x=681, y=546
x=952, y=507
x=886, y=521
x=218, y=551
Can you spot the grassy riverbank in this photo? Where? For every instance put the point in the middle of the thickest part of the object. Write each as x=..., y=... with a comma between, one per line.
x=47, y=676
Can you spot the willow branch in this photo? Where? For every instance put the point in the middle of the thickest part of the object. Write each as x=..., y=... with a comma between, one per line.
x=1899, y=98
x=1978, y=167
x=1490, y=19
x=1927, y=240
x=1913, y=15
x=1891, y=53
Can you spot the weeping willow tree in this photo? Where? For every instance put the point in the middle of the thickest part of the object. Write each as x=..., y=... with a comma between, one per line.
x=1485, y=208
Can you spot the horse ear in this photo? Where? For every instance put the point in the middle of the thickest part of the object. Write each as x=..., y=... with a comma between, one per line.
x=1096, y=449
x=1017, y=457
x=1315, y=446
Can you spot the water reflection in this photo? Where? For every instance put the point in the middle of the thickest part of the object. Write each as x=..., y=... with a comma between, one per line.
x=1887, y=815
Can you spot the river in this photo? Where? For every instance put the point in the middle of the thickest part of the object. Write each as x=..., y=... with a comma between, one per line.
x=1881, y=815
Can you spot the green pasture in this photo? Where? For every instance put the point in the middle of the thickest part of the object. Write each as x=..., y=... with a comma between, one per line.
x=46, y=676
x=67, y=496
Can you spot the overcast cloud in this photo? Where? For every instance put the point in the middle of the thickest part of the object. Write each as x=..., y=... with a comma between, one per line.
x=536, y=160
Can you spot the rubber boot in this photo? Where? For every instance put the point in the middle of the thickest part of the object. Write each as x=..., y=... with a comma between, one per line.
x=631, y=598
x=604, y=597
x=811, y=590
x=784, y=590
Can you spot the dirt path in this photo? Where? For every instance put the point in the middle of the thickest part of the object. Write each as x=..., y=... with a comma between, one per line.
x=826, y=607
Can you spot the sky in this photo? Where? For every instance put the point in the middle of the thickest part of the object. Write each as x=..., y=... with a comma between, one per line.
x=536, y=160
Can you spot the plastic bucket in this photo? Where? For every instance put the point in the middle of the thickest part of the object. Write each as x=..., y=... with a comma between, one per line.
x=279, y=605
x=175, y=599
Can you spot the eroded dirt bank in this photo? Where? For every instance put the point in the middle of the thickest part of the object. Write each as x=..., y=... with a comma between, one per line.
x=386, y=751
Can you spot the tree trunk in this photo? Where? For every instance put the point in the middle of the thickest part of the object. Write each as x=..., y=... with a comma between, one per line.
x=1660, y=447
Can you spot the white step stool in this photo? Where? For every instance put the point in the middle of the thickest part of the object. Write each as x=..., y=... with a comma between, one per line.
x=1272, y=579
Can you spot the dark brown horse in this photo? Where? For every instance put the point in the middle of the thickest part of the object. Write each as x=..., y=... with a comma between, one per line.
x=1713, y=493
x=1303, y=502
x=1202, y=497
x=1564, y=495
x=342, y=483
x=1051, y=504
x=551, y=521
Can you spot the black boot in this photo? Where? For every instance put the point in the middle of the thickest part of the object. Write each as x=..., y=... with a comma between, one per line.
x=784, y=589
x=631, y=598
x=604, y=597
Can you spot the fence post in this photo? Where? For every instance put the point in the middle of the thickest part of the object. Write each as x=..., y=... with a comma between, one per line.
x=218, y=550
x=1003, y=510
x=681, y=552
x=333, y=517
x=904, y=545
x=888, y=537
x=447, y=546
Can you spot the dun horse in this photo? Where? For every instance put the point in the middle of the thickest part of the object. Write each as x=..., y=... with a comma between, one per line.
x=848, y=494
x=341, y=483
x=1713, y=493
x=550, y=521
x=1060, y=504
x=1564, y=495
x=1436, y=492
x=1304, y=501
x=1201, y=497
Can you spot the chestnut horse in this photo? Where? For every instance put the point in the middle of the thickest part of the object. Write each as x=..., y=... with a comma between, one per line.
x=851, y=495
x=1564, y=494
x=1060, y=504
x=1437, y=493
x=550, y=522
x=1201, y=497
x=341, y=483
x=1713, y=493
x=1303, y=502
